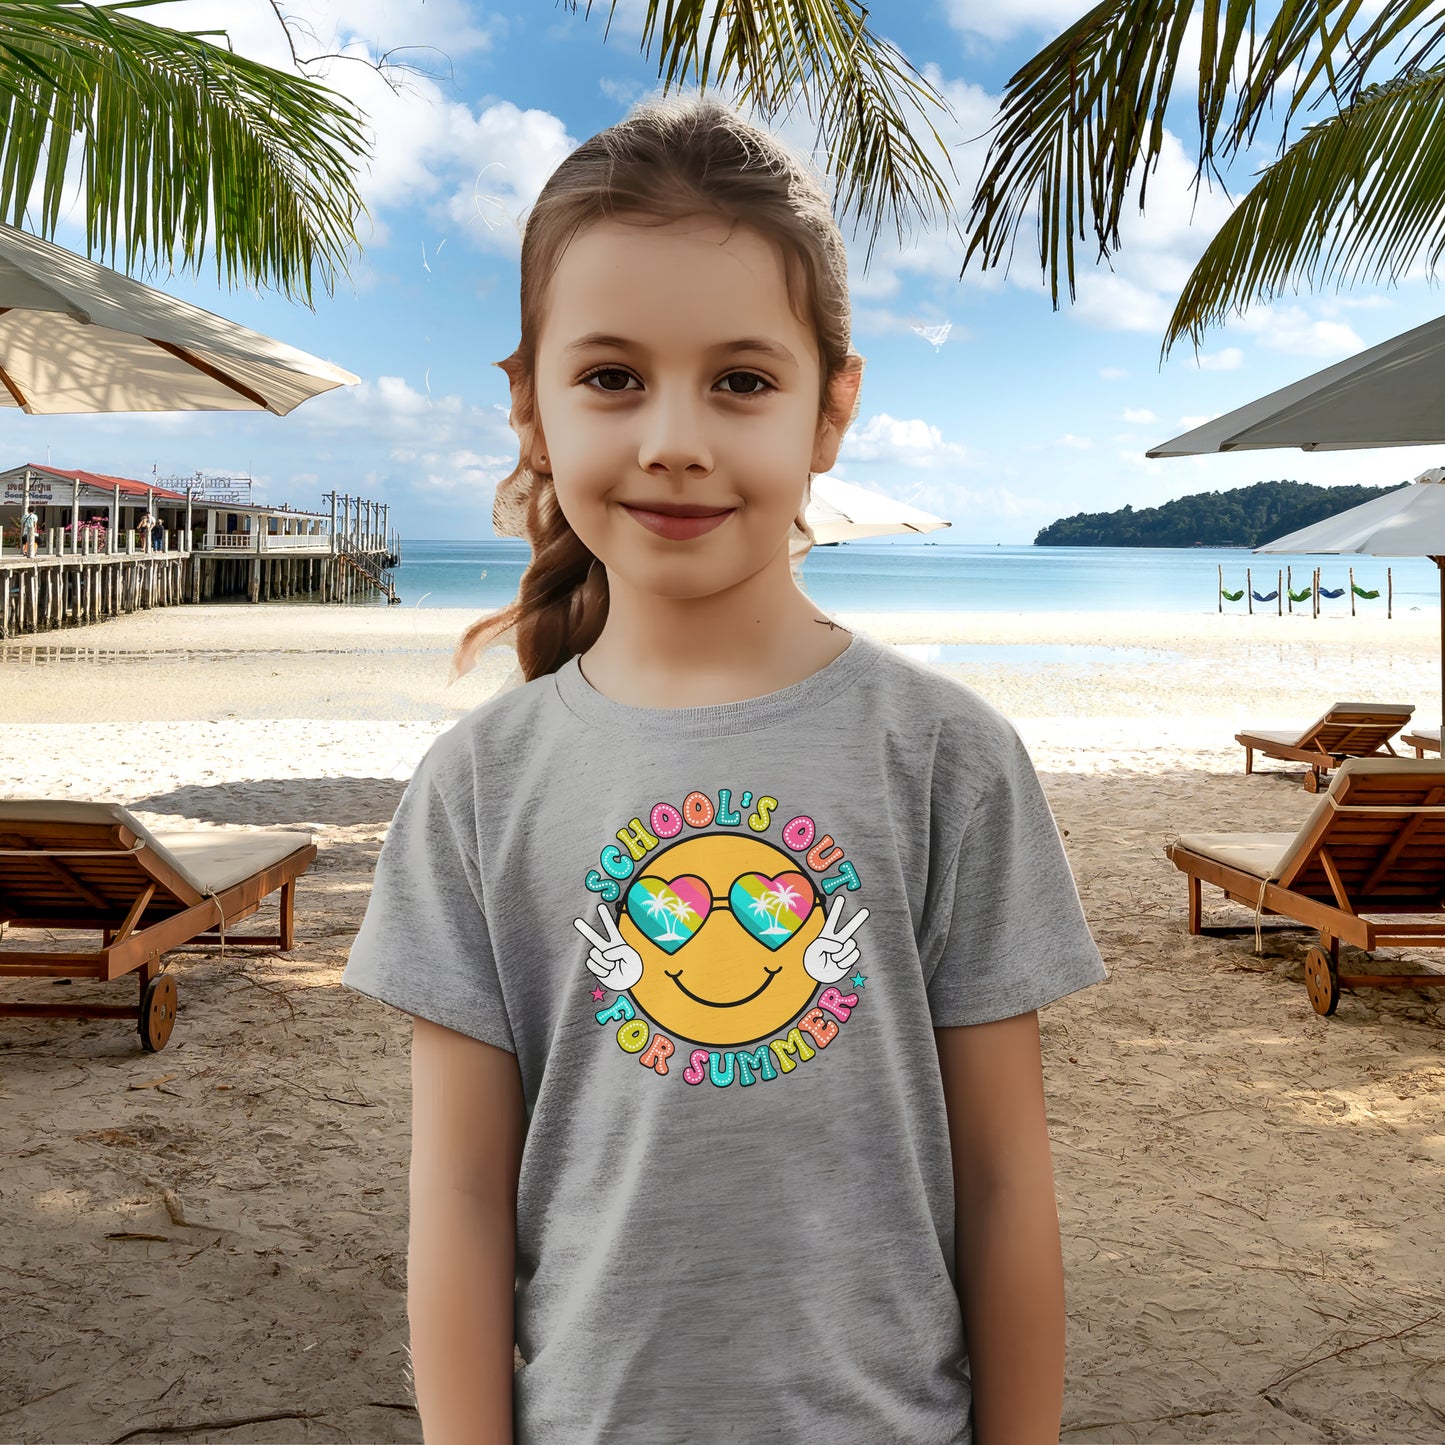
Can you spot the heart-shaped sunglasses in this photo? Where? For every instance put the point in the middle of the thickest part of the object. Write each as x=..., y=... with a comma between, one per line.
x=671, y=911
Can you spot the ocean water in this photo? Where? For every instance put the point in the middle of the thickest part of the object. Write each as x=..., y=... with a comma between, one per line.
x=914, y=576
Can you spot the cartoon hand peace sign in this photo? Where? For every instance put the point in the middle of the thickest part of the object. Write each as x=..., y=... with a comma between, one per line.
x=615, y=962
x=832, y=953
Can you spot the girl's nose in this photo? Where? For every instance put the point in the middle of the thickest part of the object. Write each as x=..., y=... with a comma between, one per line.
x=674, y=439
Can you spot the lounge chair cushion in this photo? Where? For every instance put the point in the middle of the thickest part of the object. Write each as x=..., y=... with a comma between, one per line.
x=1289, y=738
x=209, y=861
x=1272, y=855
x=1254, y=853
x=217, y=858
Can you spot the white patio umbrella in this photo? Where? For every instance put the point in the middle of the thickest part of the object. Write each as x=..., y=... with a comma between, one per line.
x=79, y=337
x=1408, y=522
x=840, y=511
x=1387, y=396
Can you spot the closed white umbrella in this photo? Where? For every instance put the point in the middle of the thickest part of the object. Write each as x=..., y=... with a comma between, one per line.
x=1408, y=522
x=79, y=337
x=840, y=511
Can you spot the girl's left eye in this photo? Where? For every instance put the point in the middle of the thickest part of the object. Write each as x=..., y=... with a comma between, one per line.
x=609, y=371
x=762, y=383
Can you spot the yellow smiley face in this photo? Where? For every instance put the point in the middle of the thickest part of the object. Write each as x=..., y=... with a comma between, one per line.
x=721, y=924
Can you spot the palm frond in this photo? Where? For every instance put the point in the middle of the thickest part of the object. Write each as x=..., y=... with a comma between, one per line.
x=858, y=87
x=1356, y=198
x=182, y=145
x=1086, y=115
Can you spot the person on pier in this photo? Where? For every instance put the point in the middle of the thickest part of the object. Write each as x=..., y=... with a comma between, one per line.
x=29, y=524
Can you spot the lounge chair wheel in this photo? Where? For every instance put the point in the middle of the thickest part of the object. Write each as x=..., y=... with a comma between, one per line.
x=157, y=1012
x=1322, y=981
x=1312, y=781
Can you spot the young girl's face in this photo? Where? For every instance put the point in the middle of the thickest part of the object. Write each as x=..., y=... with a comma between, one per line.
x=673, y=378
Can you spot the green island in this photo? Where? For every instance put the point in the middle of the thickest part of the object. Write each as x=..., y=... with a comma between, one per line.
x=1244, y=517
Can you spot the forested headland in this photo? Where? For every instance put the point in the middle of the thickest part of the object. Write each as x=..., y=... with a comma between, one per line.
x=1243, y=517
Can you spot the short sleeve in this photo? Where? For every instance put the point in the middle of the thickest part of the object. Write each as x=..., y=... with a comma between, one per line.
x=1008, y=936
x=423, y=945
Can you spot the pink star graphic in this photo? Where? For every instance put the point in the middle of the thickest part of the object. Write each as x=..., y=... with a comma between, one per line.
x=599, y=994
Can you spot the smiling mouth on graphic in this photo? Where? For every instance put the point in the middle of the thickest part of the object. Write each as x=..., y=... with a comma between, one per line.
x=772, y=973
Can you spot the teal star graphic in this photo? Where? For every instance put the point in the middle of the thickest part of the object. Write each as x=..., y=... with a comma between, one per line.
x=859, y=979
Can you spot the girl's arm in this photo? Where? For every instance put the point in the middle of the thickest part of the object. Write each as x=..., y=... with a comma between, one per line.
x=1010, y=1262
x=468, y=1123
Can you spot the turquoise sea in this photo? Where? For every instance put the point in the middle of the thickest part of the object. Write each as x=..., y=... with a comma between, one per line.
x=915, y=576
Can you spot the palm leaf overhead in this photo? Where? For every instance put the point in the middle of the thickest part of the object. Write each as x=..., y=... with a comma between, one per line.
x=180, y=145
x=1357, y=197
x=1082, y=124
x=821, y=52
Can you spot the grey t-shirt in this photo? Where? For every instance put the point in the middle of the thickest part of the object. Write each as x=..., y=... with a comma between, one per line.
x=718, y=940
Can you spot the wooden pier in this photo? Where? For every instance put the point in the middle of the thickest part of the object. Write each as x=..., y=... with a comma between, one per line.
x=62, y=587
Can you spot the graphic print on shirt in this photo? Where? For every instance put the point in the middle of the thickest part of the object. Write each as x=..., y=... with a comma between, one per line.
x=725, y=947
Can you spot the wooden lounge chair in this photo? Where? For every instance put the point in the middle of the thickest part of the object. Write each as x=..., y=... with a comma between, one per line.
x=1373, y=845
x=1422, y=739
x=1347, y=730
x=94, y=867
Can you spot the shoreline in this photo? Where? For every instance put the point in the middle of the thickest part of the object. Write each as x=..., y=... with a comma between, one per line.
x=273, y=661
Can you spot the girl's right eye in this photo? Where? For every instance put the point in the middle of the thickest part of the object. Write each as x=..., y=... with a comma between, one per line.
x=608, y=371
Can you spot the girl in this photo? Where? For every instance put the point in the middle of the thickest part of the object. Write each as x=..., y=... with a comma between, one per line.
x=724, y=933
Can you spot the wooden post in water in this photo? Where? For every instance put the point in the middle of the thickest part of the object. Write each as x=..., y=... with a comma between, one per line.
x=1221, y=586
x=114, y=538
x=1249, y=590
x=75, y=515
x=1389, y=594
x=1352, y=591
x=1317, y=593
x=1289, y=585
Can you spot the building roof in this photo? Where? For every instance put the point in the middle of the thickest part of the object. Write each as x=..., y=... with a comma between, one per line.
x=107, y=484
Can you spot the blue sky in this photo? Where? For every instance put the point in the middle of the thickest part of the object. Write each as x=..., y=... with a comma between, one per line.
x=1022, y=415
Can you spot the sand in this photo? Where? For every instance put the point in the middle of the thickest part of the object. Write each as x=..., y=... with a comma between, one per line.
x=1250, y=1194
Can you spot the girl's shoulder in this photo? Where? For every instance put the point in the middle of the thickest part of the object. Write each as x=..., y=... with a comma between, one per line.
x=920, y=702
x=507, y=727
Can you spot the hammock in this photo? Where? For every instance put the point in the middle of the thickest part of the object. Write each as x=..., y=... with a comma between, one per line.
x=1360, y=592
x=1264, y=596
x=1231, y=596
x=1301, y=596
x=1338, y=592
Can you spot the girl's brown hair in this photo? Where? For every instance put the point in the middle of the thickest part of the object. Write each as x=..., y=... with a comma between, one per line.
x=671, y=159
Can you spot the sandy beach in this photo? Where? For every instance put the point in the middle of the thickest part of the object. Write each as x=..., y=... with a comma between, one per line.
x=1250, y=1194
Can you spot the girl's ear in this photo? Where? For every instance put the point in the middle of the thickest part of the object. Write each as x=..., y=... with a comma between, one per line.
x=842, y=407
x=524, y=421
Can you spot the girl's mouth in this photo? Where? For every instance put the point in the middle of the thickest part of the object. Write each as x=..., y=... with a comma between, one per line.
x=674, y=527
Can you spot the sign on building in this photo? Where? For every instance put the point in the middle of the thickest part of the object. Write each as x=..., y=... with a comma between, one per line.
x=209, y=490
x=39, y=492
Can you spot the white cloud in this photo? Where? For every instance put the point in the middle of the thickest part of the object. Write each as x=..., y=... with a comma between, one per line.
x=1231, y=358
x=1113, y=373
x=904, y=442
x=1138, y=416
x=477, y=168
x=1290, y=328
x=1002, y=19
x=625, y=92
x=1137, y=289
x=1074, y=443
